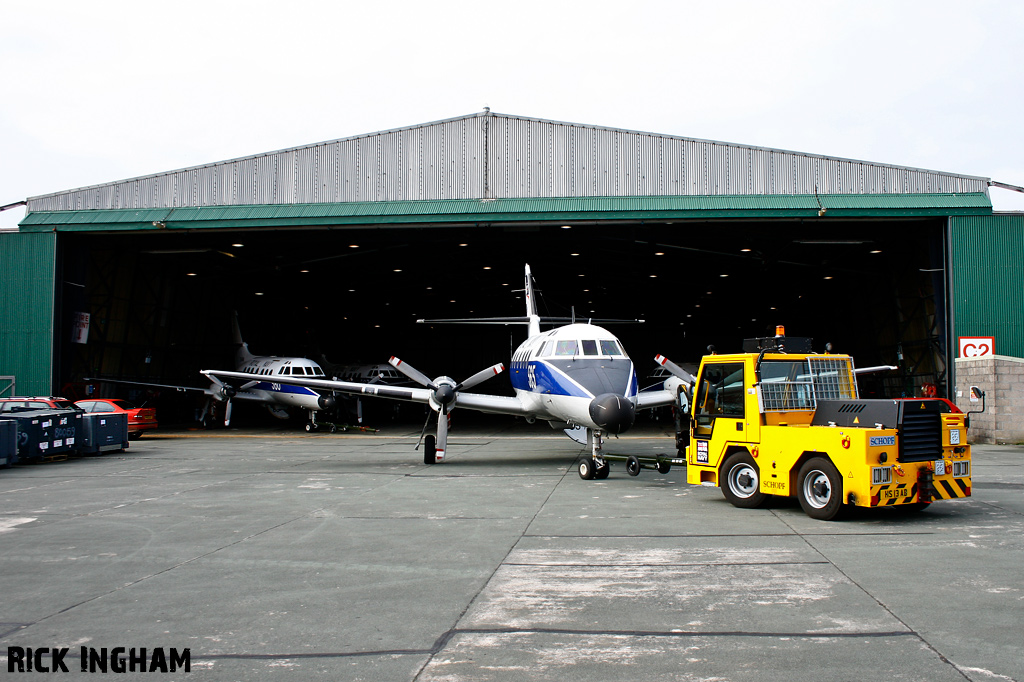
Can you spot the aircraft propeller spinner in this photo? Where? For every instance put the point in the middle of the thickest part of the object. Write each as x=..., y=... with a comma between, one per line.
x=444, y=394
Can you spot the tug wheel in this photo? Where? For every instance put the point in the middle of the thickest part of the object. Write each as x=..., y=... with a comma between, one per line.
x=741, y=481
x=820, y=489
x=633, y=466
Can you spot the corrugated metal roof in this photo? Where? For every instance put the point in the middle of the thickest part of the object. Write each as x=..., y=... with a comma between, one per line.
x=514, y=210
x=488, y=155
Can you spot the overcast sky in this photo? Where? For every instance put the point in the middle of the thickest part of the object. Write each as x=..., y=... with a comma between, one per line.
x=102, y=91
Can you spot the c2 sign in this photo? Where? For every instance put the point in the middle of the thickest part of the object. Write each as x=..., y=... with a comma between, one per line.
x=977, y=346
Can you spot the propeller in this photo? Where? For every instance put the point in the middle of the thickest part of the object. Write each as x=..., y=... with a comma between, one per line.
x=675, y=369
x=222, y=392
x=444, y=394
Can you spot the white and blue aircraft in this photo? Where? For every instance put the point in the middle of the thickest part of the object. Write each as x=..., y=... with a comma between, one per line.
x=268, y=386
x=576, y=377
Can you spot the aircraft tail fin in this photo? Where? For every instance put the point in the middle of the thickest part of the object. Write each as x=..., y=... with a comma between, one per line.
x=531, y=305
x=242, y=355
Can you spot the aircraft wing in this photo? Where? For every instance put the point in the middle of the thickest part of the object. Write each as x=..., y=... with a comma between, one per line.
x=416, y=395
x=496, y=404
x=666, y=396
x=207, y=391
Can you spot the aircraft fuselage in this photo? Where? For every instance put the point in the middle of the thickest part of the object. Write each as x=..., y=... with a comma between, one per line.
x=578, y=374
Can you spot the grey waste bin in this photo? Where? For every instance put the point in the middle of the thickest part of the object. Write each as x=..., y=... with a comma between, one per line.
x=103, y=431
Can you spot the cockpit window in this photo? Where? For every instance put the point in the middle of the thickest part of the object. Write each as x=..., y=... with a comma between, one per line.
x=589, y=347
x=566, y=348
x=610, y=348
x=543, y=350
x=285, y=370
x=318, y=372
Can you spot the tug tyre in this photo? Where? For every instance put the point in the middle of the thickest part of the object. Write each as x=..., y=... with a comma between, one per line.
x=819, y=487
x=741, y=481
x=430, y=450
x=664, y=467
x=633, y=466
x=602, y=472
x=587, y=469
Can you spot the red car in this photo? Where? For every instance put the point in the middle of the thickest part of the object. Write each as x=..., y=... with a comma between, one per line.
x=140, y=419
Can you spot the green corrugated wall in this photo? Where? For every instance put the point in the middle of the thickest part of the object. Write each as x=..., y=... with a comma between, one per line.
x=987, y=255
x=28, y=263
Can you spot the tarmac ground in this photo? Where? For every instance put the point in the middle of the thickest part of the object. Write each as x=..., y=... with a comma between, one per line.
x=344, y=557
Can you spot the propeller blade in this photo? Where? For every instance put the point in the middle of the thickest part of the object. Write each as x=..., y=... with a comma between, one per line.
x=411, y=372
x=482, y=375
x=442, y=436
x=227, y=413
x=675, y=369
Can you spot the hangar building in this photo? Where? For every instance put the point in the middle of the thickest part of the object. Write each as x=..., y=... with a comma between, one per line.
x=337, y=248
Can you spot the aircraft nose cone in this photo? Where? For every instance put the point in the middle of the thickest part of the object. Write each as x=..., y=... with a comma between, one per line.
x=326, y=402
x=613, y=413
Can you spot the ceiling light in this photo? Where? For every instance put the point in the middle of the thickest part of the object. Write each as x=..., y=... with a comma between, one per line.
x=238, y=246
x=487, y=267
x=574, y=254
x=723, y=275
x=653, y=276
x=566, y=227
x=463, y=244
x=745, y=250
x=828, y=277
x=876, y=251
x=353, y=246
x=303, y=270
x=191, y=274
x=259, y=293
x=396, y=270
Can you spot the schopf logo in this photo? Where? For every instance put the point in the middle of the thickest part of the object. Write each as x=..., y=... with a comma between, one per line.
x=91, y=660
x=882, y=441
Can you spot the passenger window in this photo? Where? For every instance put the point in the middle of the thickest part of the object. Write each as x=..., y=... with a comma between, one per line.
x=566, y=348
x=590, y=347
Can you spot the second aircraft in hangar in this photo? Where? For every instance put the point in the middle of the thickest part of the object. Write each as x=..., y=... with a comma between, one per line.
x=576, y=376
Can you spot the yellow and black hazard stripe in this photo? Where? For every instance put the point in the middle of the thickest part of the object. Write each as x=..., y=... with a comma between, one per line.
x=892, y=494
x=943, y=489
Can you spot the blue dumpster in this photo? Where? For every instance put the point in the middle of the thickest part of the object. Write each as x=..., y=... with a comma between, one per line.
x=47, y=433
x=8, y=442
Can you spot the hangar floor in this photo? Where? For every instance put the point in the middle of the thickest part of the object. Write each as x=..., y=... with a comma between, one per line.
x=340, y=557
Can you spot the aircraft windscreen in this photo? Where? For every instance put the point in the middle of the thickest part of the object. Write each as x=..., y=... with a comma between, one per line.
x=567, y=348
x=610, y=348
x=589, y=347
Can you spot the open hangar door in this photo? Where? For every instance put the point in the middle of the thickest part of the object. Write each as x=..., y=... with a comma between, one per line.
x=161, y=302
